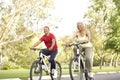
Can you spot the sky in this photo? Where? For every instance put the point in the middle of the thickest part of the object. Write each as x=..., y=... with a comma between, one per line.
x=69, y=12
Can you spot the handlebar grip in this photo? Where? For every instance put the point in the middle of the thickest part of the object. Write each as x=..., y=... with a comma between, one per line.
x=35, y=49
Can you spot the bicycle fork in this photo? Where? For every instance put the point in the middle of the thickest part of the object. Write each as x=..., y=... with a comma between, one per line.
x=77, y=62
x=47, y=70
x=78, y=58
x=44, y=63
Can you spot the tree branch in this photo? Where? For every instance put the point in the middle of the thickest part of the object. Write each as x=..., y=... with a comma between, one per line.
x=4, y=43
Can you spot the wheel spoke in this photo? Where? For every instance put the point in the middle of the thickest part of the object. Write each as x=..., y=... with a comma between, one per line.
x=59, y=71
x=35, y=71
x=74, y=69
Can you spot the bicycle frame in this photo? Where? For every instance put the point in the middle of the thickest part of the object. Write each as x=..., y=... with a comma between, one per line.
x=42, y=59
x=80, y=60
x=79, y=57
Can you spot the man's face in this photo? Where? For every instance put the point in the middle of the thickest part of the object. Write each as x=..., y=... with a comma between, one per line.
x=46, y=30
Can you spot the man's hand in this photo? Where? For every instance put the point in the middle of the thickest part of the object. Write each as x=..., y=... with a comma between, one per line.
x=50, y=48
x=31, y=48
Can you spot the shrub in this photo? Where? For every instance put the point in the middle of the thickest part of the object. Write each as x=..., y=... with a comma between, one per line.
x=9, y=65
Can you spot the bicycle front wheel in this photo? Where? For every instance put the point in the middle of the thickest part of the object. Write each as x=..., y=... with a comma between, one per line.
x=87, y=76
x=36, y=70
x=74, y=70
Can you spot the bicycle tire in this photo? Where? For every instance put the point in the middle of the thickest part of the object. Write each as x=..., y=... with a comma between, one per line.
x=74, y=75
x=34, y=72
x=59, y=72
x=87, y=76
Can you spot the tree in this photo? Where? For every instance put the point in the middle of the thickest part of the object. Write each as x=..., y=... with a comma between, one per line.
x=18, y=22
x=99, y=16
x=113, y=39
x=65, y=53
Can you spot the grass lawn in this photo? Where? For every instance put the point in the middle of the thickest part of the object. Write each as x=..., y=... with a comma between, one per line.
x=24, y=73
x=106, y=69
x=17, y=73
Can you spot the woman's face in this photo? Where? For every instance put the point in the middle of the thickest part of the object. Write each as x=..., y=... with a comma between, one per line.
x=80, y=26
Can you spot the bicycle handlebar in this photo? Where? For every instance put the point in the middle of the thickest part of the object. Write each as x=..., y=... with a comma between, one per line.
x=35, y=49
x=76, y=44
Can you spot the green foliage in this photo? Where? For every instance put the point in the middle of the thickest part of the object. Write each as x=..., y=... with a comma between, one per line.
x=117, y=3
x=10, y=65
x=17, y=23
x=18, y=53
x=97, y=7
x=113, y=40
x=65, y=53
x=105, y=28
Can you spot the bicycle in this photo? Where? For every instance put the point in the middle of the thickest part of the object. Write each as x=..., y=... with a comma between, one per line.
x=36, y=69
x=77, y=68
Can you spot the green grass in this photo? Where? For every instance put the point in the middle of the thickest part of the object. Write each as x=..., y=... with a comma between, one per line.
x=17, y=73
x=106, y=69
x=24, y=73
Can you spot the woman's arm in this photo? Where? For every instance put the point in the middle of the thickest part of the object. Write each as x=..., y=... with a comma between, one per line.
x=72, y=39
x=88, y=34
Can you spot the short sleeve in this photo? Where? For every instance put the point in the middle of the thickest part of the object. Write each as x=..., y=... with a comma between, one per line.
x=53, y=37
x=42, y=38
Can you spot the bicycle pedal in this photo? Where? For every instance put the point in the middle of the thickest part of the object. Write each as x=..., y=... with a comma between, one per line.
x=75, y=70
x=47, y=73
x=37, y=72
x=91, y=78
x=51, y=73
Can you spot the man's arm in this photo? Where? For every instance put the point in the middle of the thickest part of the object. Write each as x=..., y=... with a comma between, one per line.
x=36, y=44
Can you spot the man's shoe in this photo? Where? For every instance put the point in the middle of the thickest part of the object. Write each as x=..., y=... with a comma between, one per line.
x=55, y=73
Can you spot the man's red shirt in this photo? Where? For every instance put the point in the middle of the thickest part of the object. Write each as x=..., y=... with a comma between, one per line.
x=48, y=41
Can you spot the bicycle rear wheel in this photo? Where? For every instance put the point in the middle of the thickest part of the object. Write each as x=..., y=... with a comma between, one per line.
x=59, y=72
x=36, y=70
x=74, y=69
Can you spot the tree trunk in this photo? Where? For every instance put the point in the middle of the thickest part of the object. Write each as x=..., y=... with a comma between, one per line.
x=116, y=62
x=111, y=61
x=101, y=58
x=101, y=61
x=0, y=54
x=0, y=59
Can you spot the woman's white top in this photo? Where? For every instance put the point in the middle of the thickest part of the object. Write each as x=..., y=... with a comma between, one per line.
x=81, y=39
